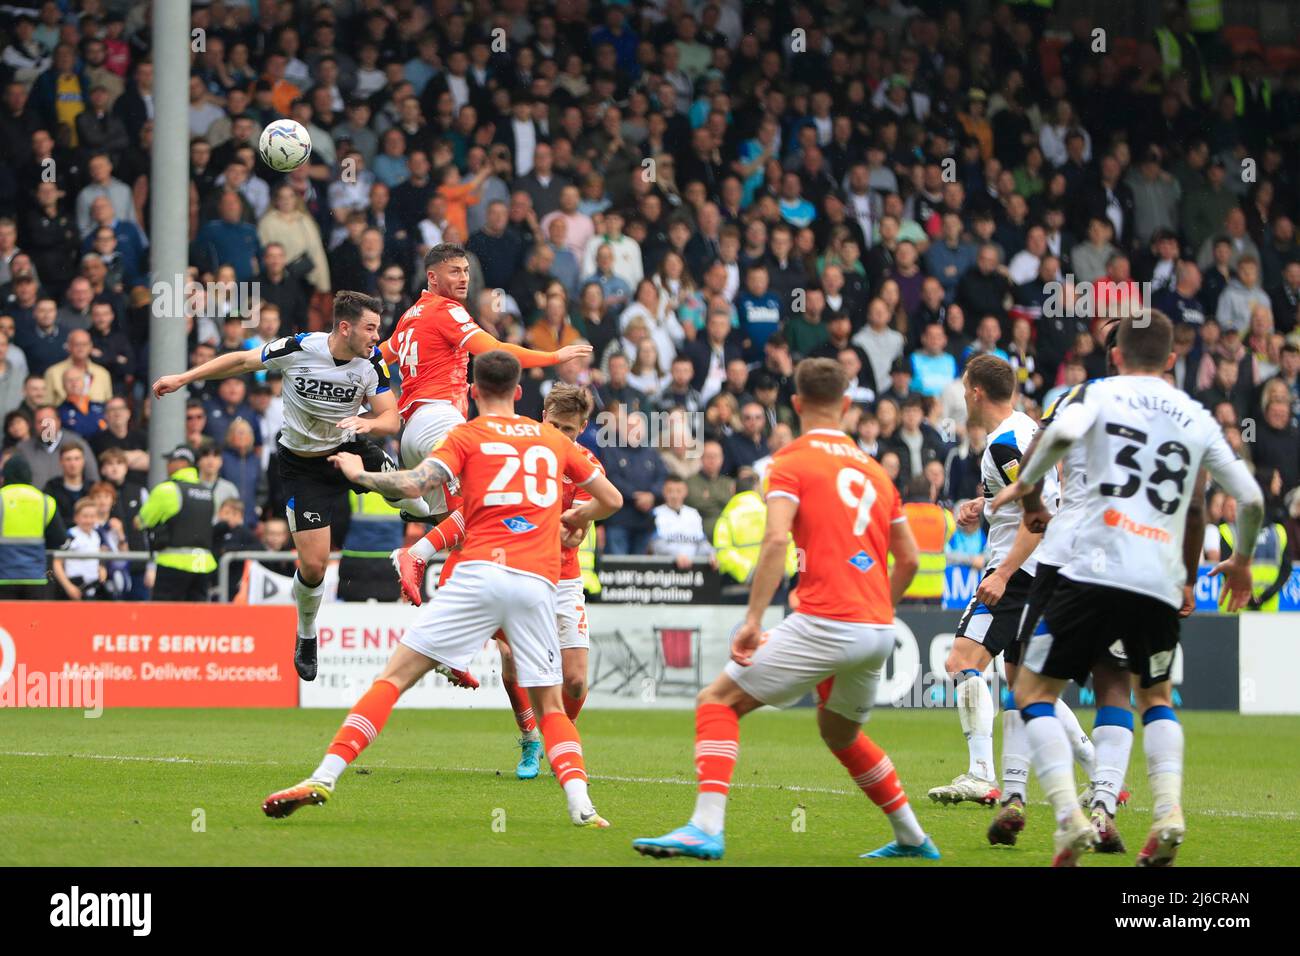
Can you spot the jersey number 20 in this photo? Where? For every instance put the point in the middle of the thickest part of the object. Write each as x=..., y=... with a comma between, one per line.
x=540, y=470
x=860, y=502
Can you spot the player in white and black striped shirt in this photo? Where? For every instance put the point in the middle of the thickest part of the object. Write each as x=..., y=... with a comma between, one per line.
x=329, y=377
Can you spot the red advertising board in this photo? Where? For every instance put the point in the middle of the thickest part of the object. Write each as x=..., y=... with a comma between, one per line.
x=152, y=655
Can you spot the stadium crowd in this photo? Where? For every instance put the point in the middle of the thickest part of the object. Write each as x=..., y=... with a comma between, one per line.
x=707, y=192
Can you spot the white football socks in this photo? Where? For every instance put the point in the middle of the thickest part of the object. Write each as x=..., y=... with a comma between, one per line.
x=330, y=769
x=711, y=812
x=1085, y=755
x=907, y=831
x=975, y=708
x=1162, y=739
x=1113, y=743
x=308, y=601
x=575, y=792
x=1015, y=756
x=1049, y=748
x=423, y=550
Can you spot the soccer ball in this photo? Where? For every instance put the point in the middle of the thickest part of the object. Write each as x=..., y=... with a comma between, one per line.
x=284, y=145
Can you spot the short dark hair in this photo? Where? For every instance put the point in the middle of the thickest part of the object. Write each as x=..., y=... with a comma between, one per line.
x=993, y=375
x=496, y=373
x=820, y=381
x=1145, y=341
x=350, y=306
x=443, y=252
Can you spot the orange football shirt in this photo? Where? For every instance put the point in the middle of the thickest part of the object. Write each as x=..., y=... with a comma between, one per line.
x=846, y=506
x=512, y=472
x=429, y=346
x=574, y=493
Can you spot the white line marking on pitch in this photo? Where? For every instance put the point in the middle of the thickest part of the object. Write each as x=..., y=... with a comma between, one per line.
x=830, y=791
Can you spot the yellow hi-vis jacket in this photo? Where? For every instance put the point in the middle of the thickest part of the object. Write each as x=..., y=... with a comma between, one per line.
x=587, y=561
x=1267, y=562
x=25, y=513
x=738, y=537
x=932, y=525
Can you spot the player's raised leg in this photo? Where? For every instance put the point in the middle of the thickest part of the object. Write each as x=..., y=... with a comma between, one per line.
x=359, y=729
x=530, y=740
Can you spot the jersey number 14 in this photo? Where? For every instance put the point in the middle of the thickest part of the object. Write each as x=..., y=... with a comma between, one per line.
x=408, y=353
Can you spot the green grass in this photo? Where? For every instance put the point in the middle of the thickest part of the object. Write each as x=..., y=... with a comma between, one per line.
x=123, y=790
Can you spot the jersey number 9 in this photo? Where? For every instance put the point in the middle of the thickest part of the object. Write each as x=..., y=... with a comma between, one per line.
x=860, y=502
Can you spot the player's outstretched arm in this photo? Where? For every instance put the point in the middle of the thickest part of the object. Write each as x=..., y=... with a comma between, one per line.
x=413, y=483
x=902, y=545
x=223, y=366
x=481, y=342
x=381, y=420
x=768, y=572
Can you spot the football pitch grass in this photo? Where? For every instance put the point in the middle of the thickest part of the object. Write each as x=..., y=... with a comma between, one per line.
x=184, y=788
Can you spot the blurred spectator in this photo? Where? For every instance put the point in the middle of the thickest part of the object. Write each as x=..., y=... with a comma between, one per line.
x=679, y=529
x=77, y=412
x=45, y=446
x=638, y=472
x=709, y=490
x=230, y=404
x=71, y=484
x=749, y=444
x=241, y=464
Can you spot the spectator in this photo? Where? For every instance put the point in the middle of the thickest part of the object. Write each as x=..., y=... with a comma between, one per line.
x=1241, y=295
x=288, y=225
x=638, y=472
x=679, y=528
x=45, y=446
x=553, y=330
x=71, y=484
x=241, y=465
x=644, y=374
x=933, y=367
x=660, y=323
x=618, y=390
x=11, y=378
x=1226, y=387
x=83, y=579
x=98, y=381
x=230, y=404
x=880, y=344
x=209, y=464
x=230, y=533
x=77, y=412
x=44, y=340
x=229, y=240
x=711, y=355
x=102, y=183
x=709, y=490
x=749, y=444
